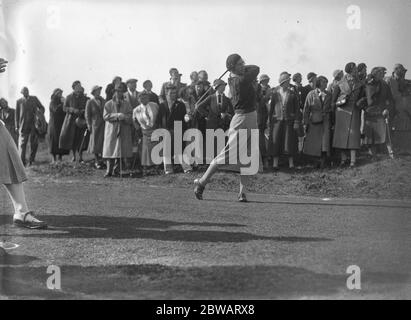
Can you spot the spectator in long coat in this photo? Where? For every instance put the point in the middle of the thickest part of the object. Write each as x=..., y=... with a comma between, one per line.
x=57, y=116
x=146, y=117
x=317, y=122
x=401, y=120
x=26, y=109
x=132, y=97
x=8, y=116
x=74, y=126
x=380, y=104
x=96, y=125
x=117, y=132
x=284, y=121
x=263, y=97
x=347, y=102
x=301, y=92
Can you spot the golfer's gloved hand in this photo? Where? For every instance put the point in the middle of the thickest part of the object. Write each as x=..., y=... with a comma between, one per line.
x=385, y=113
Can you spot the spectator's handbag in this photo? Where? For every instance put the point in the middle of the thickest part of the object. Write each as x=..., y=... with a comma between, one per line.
x=40, y=123
x=81, y=122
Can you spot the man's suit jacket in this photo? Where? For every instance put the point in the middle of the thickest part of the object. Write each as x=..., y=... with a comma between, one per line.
x=25, y=113
x=210, y=109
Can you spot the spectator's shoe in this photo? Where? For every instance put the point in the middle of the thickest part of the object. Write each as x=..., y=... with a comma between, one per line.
x=108, y=175
x=276, y=169
x=188, y=171
x=242, y=198
x=353, y=165
x=198, y=189
x=32, y=224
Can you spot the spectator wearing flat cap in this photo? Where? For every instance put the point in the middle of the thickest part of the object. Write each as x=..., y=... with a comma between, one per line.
x=317, y=122
x=218, y=112
x=263, y=97
x=348, y=101
x=117, y=146
x=74, y=125
x=132, y=94
x=96, y=125
x=26, y=109
x=380, y=104
x=244, y=99
x=174, y=84
x=401, y=122
x=56, y=120
x=284, y=121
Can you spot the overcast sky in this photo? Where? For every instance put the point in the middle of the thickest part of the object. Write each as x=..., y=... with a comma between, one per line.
x=52, y=43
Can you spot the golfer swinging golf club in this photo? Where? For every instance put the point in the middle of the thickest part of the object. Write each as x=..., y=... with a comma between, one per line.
x=243, y=92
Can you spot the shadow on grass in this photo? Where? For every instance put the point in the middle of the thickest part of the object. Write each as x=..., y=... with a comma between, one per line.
x=211, y=282
x=81, y=226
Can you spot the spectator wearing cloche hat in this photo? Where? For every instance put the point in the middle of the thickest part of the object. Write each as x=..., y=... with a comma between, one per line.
x=284, y=121
x=96, y=125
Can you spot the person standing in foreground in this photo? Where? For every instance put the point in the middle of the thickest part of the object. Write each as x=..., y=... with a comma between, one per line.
x=347, y=103
x=95, y=125
x=284, y=122
x=26, y=110
x=72, y=131
x=244, y=100
x=117, y=132
x=12, y=176
x=57, y=116
x=317, y=122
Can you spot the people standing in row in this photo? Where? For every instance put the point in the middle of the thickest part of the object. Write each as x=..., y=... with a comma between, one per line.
x=284, y=122
x=8, y=116
x=317, y=122
x=95, y=125
x=72, y=135
x=26, y=110
x=57, y=115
